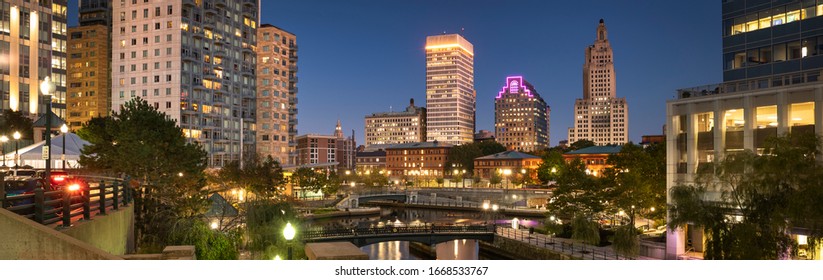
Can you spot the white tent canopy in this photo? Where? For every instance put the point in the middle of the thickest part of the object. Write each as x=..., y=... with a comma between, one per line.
x=32, y=155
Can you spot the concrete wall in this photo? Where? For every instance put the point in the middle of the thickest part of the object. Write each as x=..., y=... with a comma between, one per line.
x=24, y=239
x=113, y=232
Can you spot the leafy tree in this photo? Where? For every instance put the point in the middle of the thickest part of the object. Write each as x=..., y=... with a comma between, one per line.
x=626, y=241
x=208, y=244
x=148, y=146
x=265, y=222
x=585, y=230
x=11, y=121
x=495, y=179
x=761, y=198
x=577, y=193
x=439, y=181
x=308, y=179
x=580, y=144
x=637, y=180
x=462, y=156
x=263, y=177
x=552, y=163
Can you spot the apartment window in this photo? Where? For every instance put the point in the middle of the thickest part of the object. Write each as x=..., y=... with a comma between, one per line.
x=170, y=9
x=168, y=105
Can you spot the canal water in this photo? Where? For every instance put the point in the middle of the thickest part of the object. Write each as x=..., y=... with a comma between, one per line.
x=463, y=249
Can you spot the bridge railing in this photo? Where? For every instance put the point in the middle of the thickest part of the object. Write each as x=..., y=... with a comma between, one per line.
x=318, y=233
x=96, y=195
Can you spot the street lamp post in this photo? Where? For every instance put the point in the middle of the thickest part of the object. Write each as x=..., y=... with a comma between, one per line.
x=16, y=137
x=46, y=88
x=64, y=128
x=289, y=233
x=4, y=139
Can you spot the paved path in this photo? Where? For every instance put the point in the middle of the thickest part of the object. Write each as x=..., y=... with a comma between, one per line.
x=569, y=247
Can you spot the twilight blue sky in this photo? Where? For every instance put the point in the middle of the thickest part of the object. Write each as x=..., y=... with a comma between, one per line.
x=357, y=57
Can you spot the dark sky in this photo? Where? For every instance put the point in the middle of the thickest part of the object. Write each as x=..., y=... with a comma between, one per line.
x=358, y=57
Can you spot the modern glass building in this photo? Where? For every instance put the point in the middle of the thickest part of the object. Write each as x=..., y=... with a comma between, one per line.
x=771, y=85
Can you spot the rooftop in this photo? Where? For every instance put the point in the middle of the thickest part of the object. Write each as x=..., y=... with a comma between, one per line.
x=510, y=155
x=420, y=145
x=593, y=150
x=372, y=154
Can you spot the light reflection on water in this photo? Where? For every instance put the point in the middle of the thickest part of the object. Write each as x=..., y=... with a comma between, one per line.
x=464, y=249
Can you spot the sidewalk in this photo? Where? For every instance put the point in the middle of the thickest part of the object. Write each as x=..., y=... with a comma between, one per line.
x=569, y=247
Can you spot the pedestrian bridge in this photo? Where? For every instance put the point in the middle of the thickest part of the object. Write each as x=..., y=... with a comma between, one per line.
x=429, y=235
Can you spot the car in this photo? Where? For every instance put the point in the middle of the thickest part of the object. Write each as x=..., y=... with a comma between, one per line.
x=24, y=185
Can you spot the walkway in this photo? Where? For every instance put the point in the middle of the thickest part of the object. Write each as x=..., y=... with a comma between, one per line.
x=569, y=247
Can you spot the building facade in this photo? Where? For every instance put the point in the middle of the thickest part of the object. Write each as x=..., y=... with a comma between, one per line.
x=507, y=165
x=521, y=117
x=594, y=158
x=390, y=128
x=771, y=86
x=450, y=94
x=195, y=61
x=314, y=149
x=32, y=47
x=276, y=94
x=600, y=116
x=371, y=161
x=89, y=74
x=423, y=160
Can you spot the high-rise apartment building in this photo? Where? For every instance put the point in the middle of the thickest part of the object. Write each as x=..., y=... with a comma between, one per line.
x=32, y=47
x=407, y=126
x=276, y=93
x=450, y=94
x=771, y=86
x=195, y=61
x=521, y=117
x=89, y=74
x=89, y=64
x=600, y=116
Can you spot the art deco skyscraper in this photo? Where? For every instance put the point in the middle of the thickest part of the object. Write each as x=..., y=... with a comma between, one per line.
x=521, y=117
x=600, y=116
x=450, y=94
x=196, y=62
x=32, y=47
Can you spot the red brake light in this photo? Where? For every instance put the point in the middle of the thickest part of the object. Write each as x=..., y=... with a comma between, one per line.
x=58, y=178
x=74, y=187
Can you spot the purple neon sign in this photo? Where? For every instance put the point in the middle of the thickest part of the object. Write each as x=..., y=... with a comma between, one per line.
x=514, y=84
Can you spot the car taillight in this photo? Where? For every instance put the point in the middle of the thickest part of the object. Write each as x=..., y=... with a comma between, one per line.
x=74, y=187
x=58, y=178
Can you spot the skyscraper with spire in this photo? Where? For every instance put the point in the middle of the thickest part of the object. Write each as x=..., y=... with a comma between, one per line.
x=600, y=116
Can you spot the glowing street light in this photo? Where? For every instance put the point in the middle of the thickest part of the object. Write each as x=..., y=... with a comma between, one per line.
x=289, y=232
x=47, y=87
x=16, y=137
x=63, y=129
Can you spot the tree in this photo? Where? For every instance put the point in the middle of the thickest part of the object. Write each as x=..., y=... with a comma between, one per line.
x=11, y=121
x=462, y=156
x=626, y=241
x=495, y=179
x=585, y=230
x=261, y=177
x=762, y=198
x=636, y=182
x=140, y=142
x=439, y=181
x=308, y=179
x=577, y=193
x=552, y=162
x=580, y=144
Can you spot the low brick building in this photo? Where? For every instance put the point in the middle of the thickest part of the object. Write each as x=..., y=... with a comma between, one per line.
x=417, y=159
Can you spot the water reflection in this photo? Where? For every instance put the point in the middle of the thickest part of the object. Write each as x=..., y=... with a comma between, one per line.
x=464, y=249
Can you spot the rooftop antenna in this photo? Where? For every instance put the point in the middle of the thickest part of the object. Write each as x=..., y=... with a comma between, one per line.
x=462, y=30
x=390, y=109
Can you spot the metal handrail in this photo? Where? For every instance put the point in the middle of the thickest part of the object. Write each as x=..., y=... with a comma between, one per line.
x=310, y=234
x=48, y=207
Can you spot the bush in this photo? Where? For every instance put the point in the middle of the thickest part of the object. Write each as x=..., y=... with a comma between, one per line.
x=208, y=244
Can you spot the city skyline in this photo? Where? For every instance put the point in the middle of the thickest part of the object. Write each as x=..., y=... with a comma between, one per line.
x=647, y=55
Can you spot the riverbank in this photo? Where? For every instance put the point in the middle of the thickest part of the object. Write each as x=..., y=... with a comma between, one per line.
x=355, y=212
